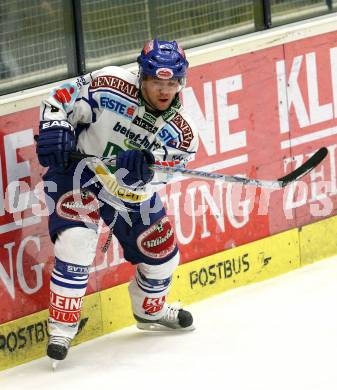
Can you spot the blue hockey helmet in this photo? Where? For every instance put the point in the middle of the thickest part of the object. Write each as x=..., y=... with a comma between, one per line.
x=164, y=60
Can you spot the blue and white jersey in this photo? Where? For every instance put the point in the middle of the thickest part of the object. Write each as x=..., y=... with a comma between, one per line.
x=109, y=115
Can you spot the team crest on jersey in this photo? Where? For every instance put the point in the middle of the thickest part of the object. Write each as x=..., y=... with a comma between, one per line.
x=66, y=93
x=79, y=205
x=158, y=241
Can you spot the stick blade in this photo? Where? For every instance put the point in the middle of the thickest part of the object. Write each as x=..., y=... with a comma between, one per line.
x=310, y=164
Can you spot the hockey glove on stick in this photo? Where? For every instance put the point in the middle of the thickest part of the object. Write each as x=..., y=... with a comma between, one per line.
x=136, y=162
x=172, y=168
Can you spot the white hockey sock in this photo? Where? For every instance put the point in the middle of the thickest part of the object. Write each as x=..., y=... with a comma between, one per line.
x=74, y=253
x=149, y=289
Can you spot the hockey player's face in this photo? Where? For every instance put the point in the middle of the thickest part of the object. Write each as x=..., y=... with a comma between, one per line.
x=159, y=93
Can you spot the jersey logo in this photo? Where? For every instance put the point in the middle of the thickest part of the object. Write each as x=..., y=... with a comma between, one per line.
x=158, y=241
x=135, y=141
x=79, y=205
x=63, y=95
x=168, y=136
x=111, y=184
x=66, y=93
x=186, y=131
x=117, y=105
x=115, y=83
x=145, y=125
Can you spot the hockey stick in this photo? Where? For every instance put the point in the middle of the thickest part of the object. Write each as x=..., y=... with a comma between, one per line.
x=165, y=167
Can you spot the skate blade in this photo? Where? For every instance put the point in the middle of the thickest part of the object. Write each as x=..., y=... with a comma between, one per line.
x=54, y=364
x=155, y=327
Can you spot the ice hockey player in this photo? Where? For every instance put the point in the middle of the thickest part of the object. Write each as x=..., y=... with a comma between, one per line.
x=138, y=118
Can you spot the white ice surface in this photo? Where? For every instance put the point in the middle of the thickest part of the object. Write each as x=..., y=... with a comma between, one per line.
x=278, y=334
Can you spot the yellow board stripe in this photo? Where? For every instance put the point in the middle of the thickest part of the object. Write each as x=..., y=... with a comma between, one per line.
x=318, y=240
x=24, y=339
x=237, y=267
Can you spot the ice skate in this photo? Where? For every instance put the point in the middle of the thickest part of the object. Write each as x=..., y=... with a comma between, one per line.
x=57, y=349
x=174, y=318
